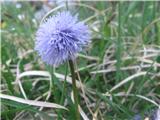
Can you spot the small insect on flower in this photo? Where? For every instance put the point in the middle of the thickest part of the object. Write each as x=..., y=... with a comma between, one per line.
x=60, y=38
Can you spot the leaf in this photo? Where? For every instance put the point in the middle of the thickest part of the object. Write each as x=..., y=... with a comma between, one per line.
x=18, y=107
x=32, y=102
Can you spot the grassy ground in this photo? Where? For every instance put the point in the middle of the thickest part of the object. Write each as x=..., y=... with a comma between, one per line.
x=118, y=75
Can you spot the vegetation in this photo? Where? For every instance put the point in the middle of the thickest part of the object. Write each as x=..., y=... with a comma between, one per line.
x=118, y=76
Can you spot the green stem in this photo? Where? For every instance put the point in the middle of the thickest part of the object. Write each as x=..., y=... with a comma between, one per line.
x=119, y=45
x=63, y=94
x=52, y=76
x=64, y=86
x=75, y=91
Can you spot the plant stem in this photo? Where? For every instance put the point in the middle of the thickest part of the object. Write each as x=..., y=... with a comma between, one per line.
x=63, y=94
x=64, y=86
x=75, y=91
x=52, y=79
x=119, y=44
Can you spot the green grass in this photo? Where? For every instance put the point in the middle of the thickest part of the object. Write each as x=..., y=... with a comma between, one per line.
x=125, y=42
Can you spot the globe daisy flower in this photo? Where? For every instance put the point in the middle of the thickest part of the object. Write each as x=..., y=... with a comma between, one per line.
x=60, y=38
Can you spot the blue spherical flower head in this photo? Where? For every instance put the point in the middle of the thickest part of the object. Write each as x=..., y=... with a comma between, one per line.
x=60, y=38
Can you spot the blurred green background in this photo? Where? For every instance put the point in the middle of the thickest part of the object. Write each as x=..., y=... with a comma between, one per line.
x=125, y=43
